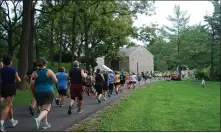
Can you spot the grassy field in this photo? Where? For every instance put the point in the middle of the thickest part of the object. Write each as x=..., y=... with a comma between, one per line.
x=162, y=106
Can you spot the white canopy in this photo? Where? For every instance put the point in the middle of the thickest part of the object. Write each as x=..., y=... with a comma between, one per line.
x=103, y=68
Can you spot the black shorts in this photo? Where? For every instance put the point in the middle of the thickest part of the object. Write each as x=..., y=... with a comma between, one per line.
x=105, y=87
x=88, y=86
x=122, y=82
x=44, y=97
x=7, y=90
x=111, y=86
x=118, y=83
x=62, y=92
x=98, y=89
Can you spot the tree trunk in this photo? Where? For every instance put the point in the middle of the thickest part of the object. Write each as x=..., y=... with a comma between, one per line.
x=61, y=43
x=212, y=58
x=23, y=52
x=73, y=47
x=31, y=41
x=10, y=41
x=52, y=43
x=86, y=43
x=80, y=48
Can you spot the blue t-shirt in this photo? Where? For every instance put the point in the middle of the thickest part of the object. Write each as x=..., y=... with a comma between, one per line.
x=111, y=78
x=62, y=80
x=139, y=77
x=8, y=76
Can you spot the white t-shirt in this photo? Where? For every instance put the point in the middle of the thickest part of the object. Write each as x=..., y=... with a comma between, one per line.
x=133, y=78
x=203, y=82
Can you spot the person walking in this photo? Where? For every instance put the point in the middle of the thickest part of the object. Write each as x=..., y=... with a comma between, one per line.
x=99, y=79
x=116, y=82
x=111, y=83
x=43, y=92
x=76, y=76
x=105, y=84
x=203, y=83
x=62, y=86
x=139, y=78
x=8, y=91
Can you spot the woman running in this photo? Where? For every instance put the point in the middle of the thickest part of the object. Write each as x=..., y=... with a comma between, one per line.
x=89, y=84
x=62, y=86
x=99, y=79
x=122, y=81
x=8, y=77
x=116, y=82
x=44, y=94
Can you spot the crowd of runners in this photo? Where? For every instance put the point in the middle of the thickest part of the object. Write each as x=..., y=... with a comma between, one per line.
x=72, y=85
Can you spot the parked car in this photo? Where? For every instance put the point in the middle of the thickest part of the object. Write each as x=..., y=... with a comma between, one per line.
x=176, y=76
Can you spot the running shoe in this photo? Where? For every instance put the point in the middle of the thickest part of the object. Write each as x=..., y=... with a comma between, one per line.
x=57, y=101
x=80, y=111
x=99, y=101
x=116, y=92
x=31, y=111
x=61, y=105
x=37, y=123
x=46, y=126
x=105, y=99
x=14, y=123
x=2, y=129
x=69, y=110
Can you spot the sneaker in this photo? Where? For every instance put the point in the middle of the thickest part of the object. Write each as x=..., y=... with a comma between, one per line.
x=31, y=111
x=61, y=105
x=99, y=101
x=46, y=126
x=57, y=101
x=116, y=92
x=2, y=129
x=14, y=123
x=37, y=123
x=69, y=110
x=80, y=111
x=105, y=99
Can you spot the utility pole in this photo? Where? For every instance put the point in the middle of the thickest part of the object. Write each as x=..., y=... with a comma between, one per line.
x=137, y=68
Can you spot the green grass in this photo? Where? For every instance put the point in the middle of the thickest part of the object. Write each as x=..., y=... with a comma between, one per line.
x=163, y=106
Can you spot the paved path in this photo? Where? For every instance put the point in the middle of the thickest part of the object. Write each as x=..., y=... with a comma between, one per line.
x=58, y=116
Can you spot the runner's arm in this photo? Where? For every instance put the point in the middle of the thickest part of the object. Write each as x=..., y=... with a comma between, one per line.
x=83, y=74
x=51, y=74
x=17, y=77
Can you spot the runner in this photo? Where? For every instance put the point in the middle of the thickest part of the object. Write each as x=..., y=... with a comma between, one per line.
x=61, y=86
x=122, y=81
x=8, y=77
x=89, y=84
x=139, y=78
x=1, y=98
x=99, y=79
x=133, y=80
x=76, y=76
x=44, y=95
x=116, y=82
x=28, y=77
x=111, y=83
x=105, y=85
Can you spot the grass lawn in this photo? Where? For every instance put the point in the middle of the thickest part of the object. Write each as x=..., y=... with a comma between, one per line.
x=162, y=106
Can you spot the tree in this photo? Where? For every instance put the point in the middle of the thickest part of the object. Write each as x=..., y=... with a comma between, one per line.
x=25, y=36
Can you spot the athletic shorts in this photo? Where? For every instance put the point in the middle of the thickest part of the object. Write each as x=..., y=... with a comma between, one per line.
x=122, y=82
x=98, y=89
x=105, y=87
x=7, y=91
x=111, y=86
x=118, y=83
x=88, y=86
x=44, y=97
x=62, y=92
x=76, y=90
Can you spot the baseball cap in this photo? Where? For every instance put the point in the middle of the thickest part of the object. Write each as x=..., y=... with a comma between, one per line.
x=43, y=61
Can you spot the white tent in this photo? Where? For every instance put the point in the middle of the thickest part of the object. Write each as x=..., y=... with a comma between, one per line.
x=103, y=68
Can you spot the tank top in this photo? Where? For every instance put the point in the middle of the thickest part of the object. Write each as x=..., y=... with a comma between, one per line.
x=43, y=83
x=117, y=79
x=75, y=75
x=98, y=80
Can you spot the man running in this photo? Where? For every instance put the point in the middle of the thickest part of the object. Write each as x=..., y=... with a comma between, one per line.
x=122, y=81
x=139, y=78
x=76, y=76
x=99, y=79
x=44, y=92
x=62, y=86
x=8, y=77
x=133, y=80
x=111, y=83
x=105, y=84
x=28, y=77
x=116, y=82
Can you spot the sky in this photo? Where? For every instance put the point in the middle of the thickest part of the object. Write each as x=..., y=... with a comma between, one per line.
x=196, y=9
